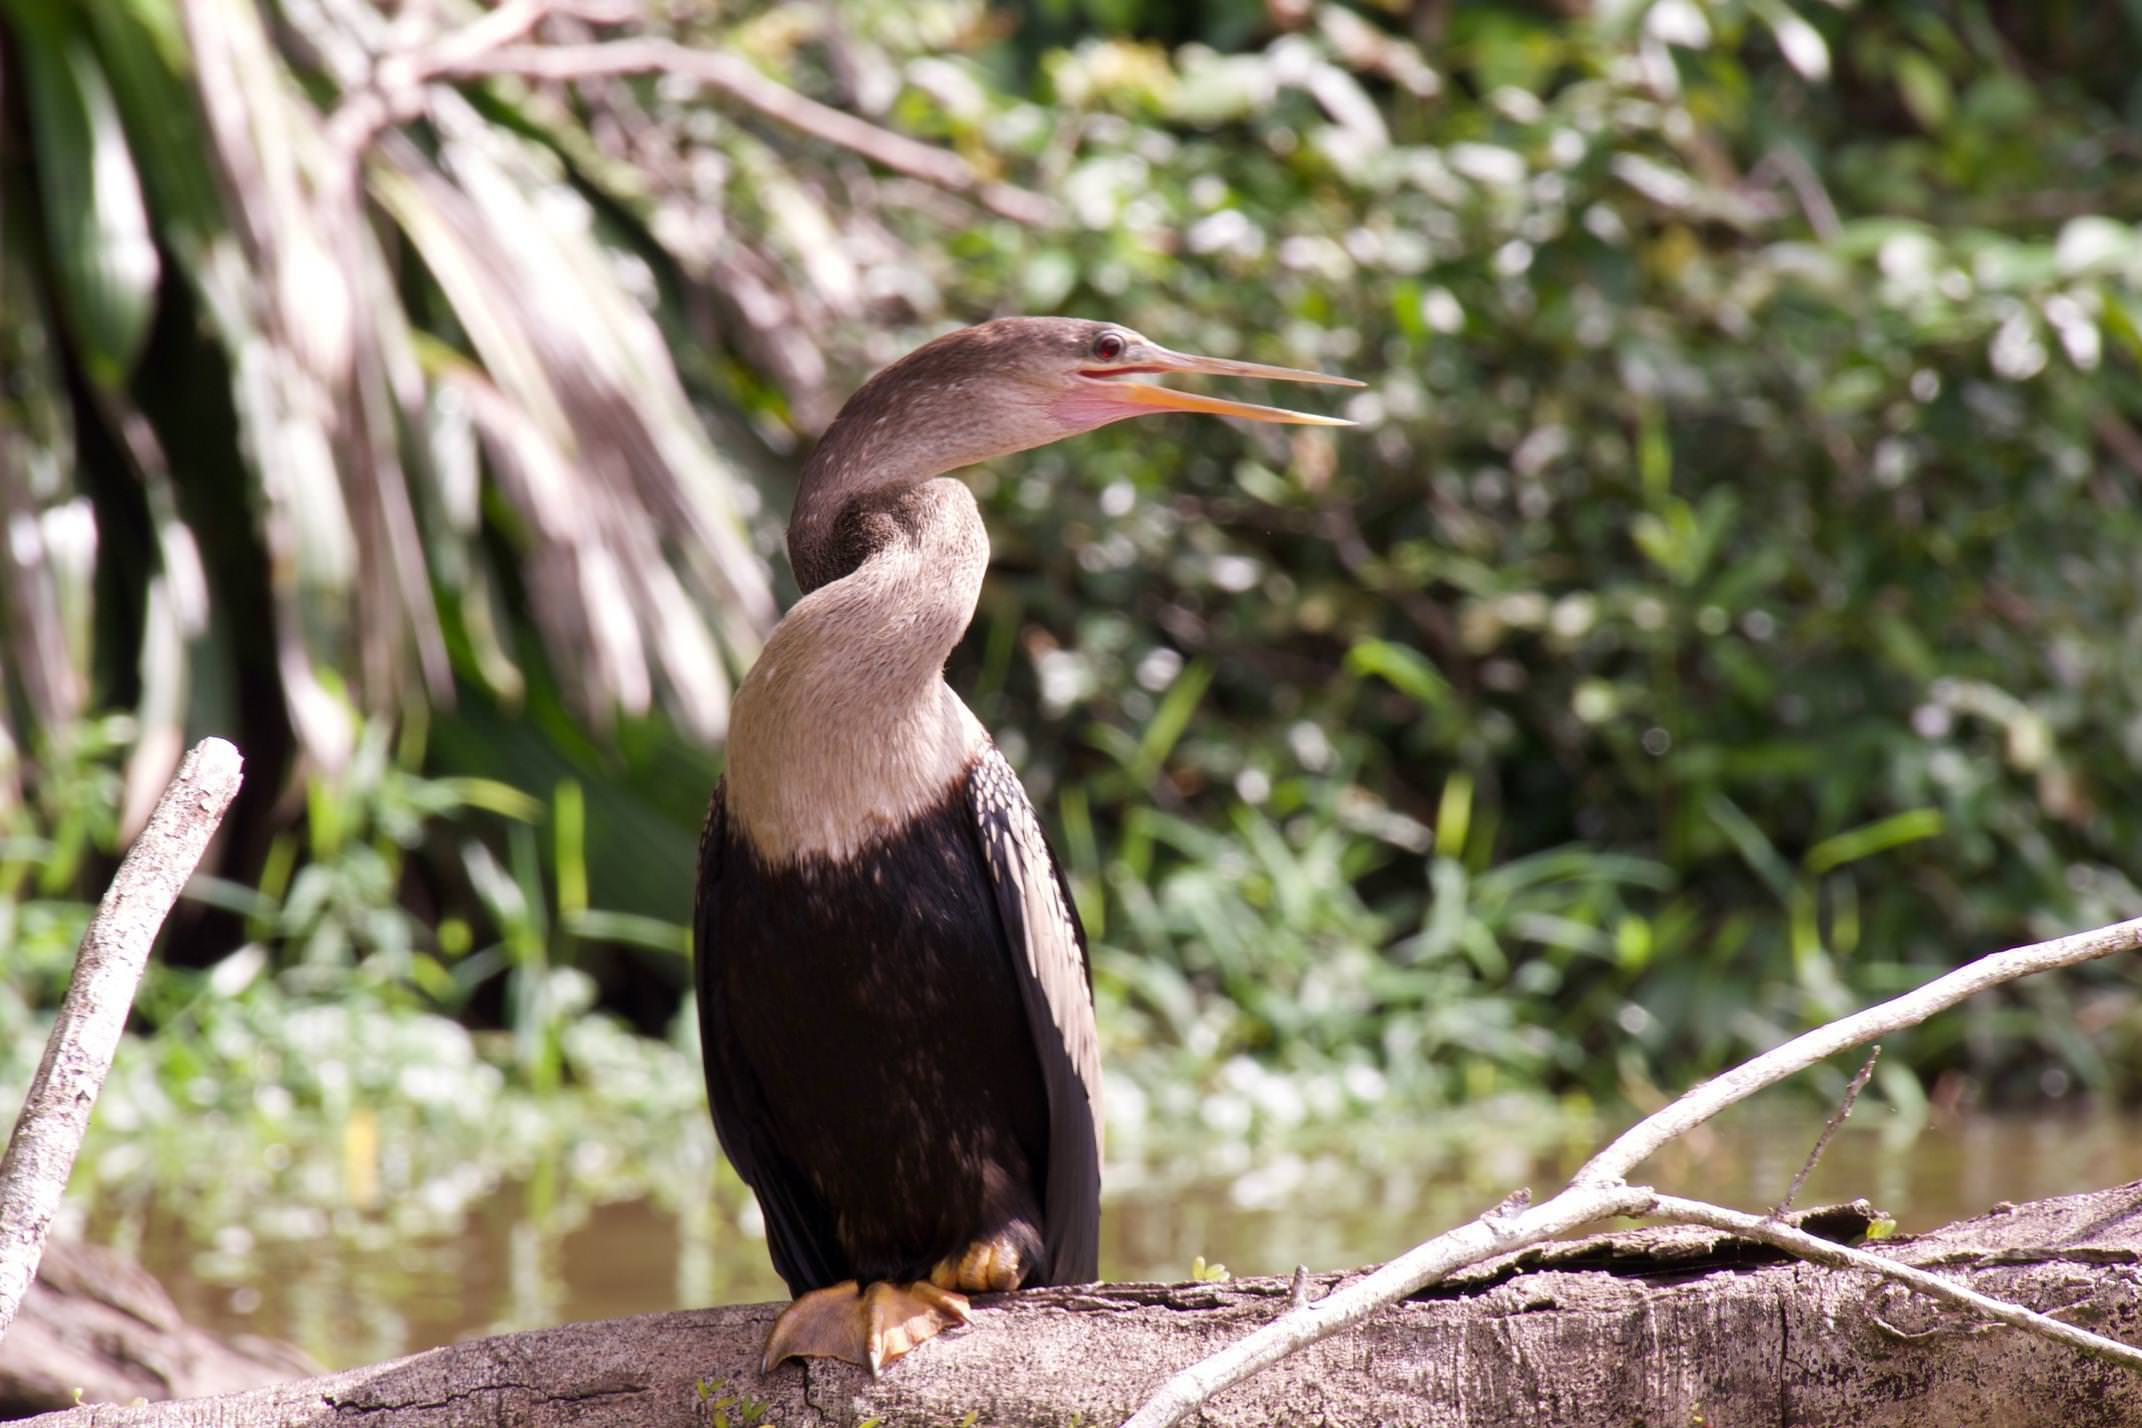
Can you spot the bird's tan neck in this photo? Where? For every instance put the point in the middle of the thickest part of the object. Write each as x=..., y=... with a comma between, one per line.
x=844, y=731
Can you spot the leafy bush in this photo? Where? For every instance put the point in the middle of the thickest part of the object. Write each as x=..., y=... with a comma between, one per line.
x=1722, y=615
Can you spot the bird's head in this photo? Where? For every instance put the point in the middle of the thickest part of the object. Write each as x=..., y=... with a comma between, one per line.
x=1080, y=374
x=996, y=388
x=1021, y=382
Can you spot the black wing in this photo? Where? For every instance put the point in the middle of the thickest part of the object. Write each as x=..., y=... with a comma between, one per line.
x=799, y=1230
x=1048, y=948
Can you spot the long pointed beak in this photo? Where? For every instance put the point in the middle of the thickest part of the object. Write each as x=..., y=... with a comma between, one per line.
x=1161, y=360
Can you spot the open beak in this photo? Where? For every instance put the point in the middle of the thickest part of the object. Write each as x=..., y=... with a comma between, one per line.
x=1160, y=361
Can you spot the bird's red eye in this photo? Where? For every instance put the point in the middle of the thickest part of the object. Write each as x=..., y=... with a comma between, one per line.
x=1108, y=346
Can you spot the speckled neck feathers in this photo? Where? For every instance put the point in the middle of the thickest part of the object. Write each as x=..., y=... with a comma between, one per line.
x=845, y=731
x=845, y=727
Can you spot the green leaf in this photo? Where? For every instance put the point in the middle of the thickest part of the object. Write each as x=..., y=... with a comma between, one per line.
x=1877, y=837
x=1454, y=815
x=1926, y=90
x=493, y=796
x=103, y=257
x=143, y=46
x=569, y=827
x=1654, y=453
x=1404, y=669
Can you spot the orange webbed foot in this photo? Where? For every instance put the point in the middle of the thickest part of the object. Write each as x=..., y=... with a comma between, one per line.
x=869, y=1329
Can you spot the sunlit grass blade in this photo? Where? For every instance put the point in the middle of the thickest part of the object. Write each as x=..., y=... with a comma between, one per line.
x=1169, y=721
x=1869, y=839
x=1406, y=670
x=633, y=929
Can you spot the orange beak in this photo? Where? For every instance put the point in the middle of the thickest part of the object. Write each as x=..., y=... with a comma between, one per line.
x=1160, y=361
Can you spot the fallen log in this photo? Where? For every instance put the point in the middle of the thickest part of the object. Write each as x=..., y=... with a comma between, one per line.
x=98, y=1326
x=1662, y=1326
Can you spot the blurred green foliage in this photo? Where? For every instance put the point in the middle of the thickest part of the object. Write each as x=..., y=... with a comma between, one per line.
x=1724, y=613
x=1723, y=618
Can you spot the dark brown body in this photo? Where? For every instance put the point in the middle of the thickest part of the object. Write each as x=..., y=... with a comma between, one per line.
x=869, y=1028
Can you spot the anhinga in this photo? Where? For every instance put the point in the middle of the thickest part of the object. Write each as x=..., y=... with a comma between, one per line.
x=894, y=999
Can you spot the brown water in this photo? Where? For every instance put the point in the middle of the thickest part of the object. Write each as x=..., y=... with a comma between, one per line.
x=351, y=1297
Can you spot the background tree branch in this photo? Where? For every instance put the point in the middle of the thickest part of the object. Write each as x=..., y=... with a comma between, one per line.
x=491, y=47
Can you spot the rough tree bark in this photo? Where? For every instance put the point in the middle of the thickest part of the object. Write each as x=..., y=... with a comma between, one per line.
x=1657, y=1326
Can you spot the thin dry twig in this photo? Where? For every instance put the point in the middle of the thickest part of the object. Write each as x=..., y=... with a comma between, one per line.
x=1837, y=1118
x=40, y=1154
x=1599, y=1190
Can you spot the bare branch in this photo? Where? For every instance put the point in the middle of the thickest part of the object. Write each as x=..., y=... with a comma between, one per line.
x=1598, y=1189
x=40, y=1155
